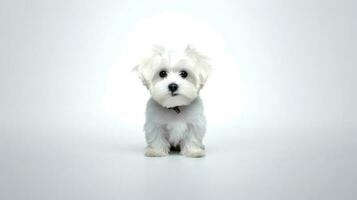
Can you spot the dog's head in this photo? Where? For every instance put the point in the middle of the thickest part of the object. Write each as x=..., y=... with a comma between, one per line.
x=174, y=80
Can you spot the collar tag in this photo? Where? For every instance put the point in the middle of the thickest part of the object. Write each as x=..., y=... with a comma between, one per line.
x=176, y=109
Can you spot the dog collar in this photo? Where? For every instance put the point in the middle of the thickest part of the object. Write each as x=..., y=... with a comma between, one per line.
x=176, y=109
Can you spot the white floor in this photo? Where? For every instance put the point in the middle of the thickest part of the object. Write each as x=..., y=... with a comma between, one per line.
x=106, y=162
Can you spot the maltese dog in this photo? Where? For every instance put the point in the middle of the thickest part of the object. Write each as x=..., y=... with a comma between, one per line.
x=174, y=113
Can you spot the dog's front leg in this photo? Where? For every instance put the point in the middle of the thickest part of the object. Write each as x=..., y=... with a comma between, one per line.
x=157, y=144
x=191, y=145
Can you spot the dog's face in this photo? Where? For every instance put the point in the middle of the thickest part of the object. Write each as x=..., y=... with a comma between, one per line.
x=174, y=80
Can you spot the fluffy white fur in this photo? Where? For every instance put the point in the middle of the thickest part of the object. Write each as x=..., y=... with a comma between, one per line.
x=164, y=127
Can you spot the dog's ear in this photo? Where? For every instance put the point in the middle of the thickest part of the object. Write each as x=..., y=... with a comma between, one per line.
x=144, y=69
x=139, y=70
x=204, y=68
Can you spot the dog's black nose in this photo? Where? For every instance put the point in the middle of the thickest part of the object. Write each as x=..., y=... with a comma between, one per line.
x=173, y=87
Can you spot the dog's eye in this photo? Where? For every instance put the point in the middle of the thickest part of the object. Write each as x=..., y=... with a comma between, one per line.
x=183, y=74
x=163, y=74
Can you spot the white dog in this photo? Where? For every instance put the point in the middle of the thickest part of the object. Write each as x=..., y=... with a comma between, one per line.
x=174, y=114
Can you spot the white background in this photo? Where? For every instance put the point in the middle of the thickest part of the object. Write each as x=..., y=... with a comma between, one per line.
x=281, y=102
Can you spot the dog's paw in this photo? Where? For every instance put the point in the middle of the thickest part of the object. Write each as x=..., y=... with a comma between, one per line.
x=194, y=152
x=155, y=152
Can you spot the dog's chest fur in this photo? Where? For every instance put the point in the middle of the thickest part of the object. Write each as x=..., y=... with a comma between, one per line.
x=175, y=132
x=175, y=126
